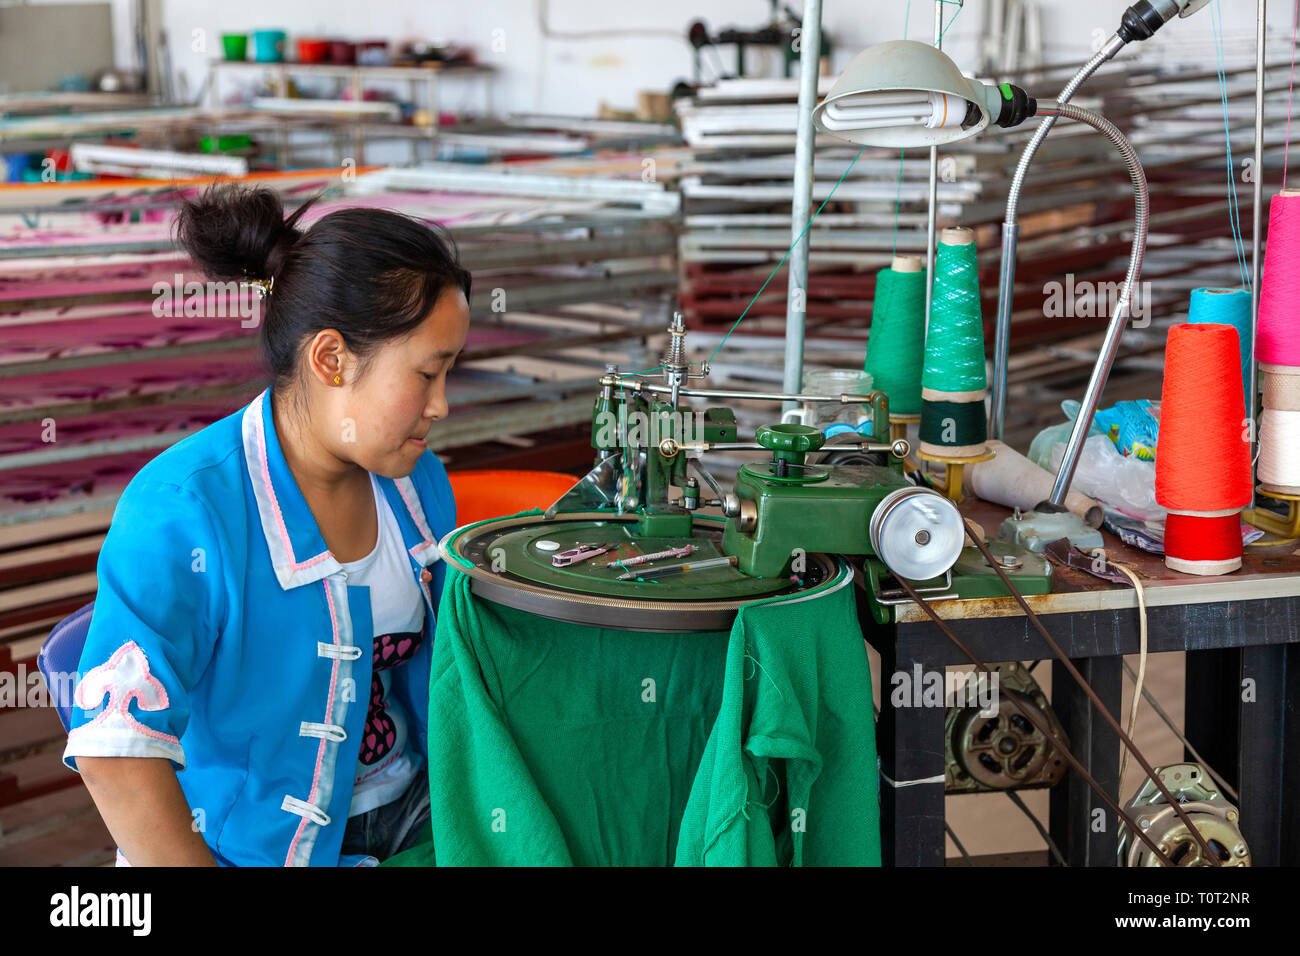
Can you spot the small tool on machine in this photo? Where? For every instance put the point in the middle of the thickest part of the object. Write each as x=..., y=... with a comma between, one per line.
x=683, y=568
x=681, y=552
x=578, y=554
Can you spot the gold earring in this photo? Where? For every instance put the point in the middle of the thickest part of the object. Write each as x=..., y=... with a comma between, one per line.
x=336, y=380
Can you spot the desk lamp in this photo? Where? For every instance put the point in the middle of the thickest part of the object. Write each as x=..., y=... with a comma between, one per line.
x=905, y=93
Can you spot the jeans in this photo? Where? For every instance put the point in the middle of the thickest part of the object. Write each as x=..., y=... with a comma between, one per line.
x=388, y=830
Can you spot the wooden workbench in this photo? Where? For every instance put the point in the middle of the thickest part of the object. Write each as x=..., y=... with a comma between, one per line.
x=1242, y=635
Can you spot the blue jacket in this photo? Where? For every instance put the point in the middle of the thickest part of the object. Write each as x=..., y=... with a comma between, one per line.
x=226, y=638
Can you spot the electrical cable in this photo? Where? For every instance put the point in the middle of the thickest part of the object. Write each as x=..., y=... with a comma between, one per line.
x=1169, y=722
x=1042, y=831
x=1140, y=691
x=1234, y=211
x=1142, y=658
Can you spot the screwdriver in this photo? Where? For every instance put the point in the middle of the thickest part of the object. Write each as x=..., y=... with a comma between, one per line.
x=681, y=552
x=683, y=568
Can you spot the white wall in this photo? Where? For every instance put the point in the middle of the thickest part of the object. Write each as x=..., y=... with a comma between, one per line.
x=549, y=74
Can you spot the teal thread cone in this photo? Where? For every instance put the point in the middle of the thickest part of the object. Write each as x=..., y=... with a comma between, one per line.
x=1229, y=307
x=954, y=344
x=896, y=346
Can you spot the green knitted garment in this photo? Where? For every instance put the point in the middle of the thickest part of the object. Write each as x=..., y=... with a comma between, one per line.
x=561, y=744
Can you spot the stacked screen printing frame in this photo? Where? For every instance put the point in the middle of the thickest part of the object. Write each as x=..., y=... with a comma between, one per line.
x=1075, y=220
x=569, y=274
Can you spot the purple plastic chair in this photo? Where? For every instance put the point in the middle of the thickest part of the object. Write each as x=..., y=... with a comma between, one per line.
x=61, y=654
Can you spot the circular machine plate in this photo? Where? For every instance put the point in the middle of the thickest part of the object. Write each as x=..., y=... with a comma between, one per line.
x=588, y=592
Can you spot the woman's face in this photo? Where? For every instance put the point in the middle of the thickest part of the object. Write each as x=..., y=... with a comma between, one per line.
x=389, y=411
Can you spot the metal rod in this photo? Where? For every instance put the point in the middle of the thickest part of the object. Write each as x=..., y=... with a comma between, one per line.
x=931, y=215
x=796, y=307
x=1256, y=215
x=1119, y=319
x=1002, y=331
x=846, y=398
x=1011, y=232
x=865, y=446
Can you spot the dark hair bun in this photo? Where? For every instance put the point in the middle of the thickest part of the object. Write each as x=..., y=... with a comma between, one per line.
x=373, y=275
x=235, y=232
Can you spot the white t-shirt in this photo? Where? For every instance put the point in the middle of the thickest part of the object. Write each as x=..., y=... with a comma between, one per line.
x=397, y=609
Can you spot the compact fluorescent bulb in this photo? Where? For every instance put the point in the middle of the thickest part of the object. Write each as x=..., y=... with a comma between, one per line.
x=909, y=108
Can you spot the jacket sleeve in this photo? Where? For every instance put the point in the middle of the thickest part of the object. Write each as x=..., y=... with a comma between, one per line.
x=153, y=629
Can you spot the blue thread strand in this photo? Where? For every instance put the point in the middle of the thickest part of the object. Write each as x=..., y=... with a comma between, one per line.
x=1234, y=211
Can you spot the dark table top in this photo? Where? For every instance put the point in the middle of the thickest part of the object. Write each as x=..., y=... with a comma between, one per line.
x=1267, y=572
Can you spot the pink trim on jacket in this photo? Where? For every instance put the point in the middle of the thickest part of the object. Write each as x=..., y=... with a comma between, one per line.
x=124, y=677
x=294, y=565
x=329, y=713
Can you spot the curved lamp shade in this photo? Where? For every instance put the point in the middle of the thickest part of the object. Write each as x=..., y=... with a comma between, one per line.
x=905, y=93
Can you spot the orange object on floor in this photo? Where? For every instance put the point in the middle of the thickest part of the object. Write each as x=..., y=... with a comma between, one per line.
x=486, y=493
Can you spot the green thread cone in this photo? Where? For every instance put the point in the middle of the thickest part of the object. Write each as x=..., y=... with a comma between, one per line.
x=896, y=346
x=954, y=344
x=954, y=424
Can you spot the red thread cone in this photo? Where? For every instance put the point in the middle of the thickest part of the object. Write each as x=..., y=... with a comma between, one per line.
x=1203, y=455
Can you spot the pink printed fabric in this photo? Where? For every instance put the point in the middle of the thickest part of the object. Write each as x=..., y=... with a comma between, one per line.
x=32, y=333
x=389, y=651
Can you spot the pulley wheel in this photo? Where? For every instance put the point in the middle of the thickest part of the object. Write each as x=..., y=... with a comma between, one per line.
x=917, y=533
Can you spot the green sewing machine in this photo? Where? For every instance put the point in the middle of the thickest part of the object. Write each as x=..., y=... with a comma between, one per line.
x=630, y=546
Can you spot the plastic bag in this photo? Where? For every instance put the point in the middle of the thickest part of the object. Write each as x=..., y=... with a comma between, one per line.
x=1040, y=450
x=1133, y=426
x=1122, y=482
x=1126, y=484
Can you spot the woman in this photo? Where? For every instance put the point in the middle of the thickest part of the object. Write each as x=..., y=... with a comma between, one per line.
x=268, y=585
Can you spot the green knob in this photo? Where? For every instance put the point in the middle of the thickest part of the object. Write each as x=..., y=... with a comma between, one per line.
x=790, y=441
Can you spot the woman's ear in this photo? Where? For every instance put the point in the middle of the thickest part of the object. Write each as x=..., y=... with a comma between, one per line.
x=328, y=358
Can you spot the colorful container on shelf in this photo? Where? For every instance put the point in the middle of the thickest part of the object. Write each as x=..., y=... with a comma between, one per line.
x=373, y=53
x=268, y=46
x=225, y=144
x=312, y=50
x=343, y=52
x=235, y=46
x=16, y=164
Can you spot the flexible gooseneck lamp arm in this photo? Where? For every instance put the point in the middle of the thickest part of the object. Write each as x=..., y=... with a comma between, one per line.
x=1139, y=22
x=1119, y=318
